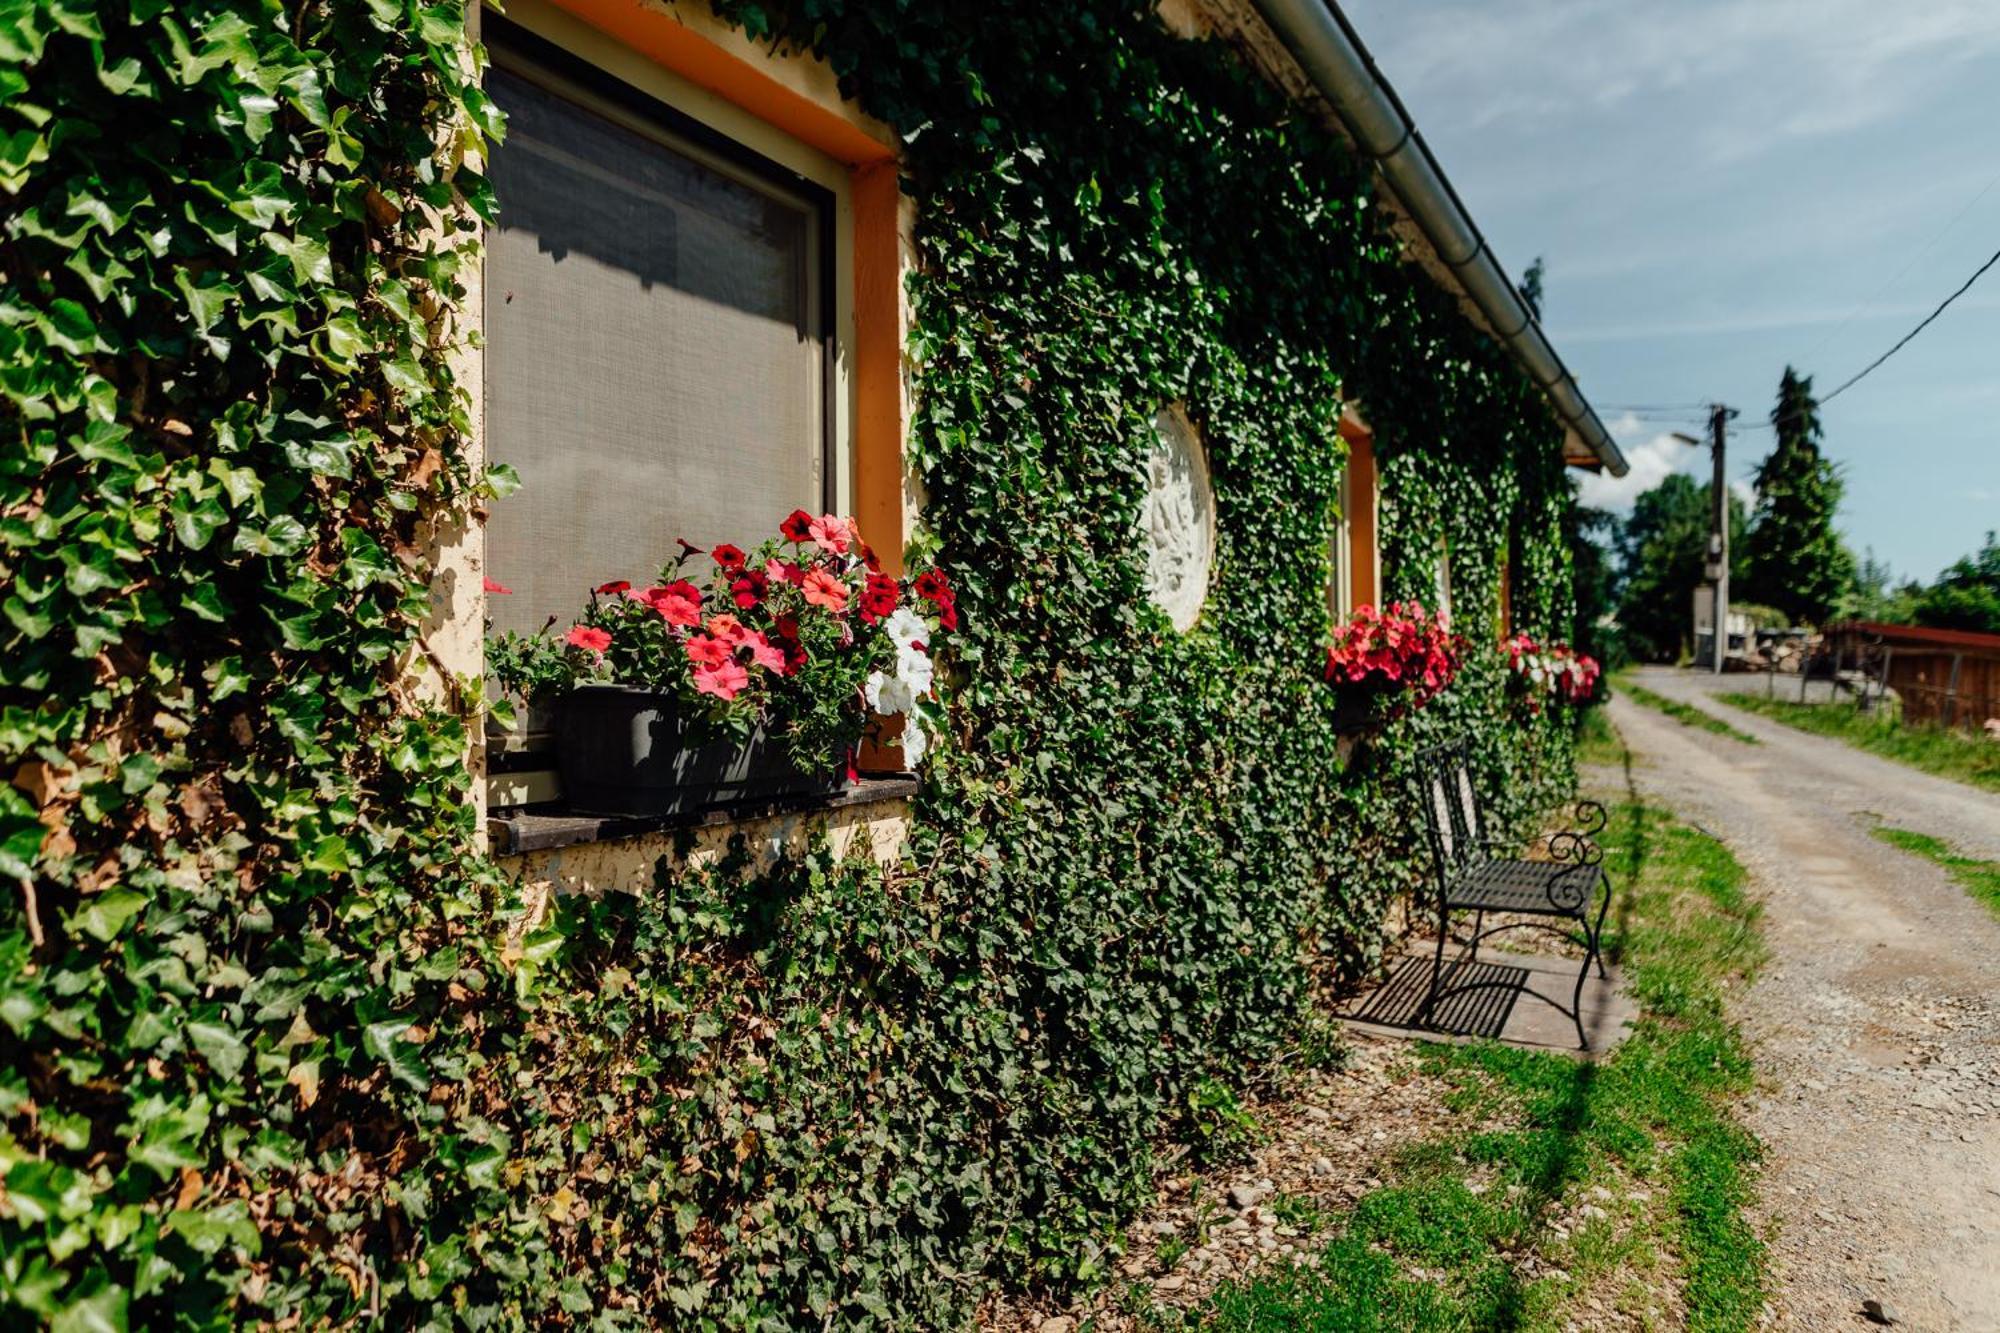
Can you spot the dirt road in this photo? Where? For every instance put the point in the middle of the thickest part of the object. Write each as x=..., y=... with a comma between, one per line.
x=1876, y=1024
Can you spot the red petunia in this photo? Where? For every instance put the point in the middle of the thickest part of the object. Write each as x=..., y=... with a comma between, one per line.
x=679, y=603
x=947, y=614
x=613, y=588
x=706, y=652
x=748, y=588
x=585, y=637
x=794, y=651
x=823, y=589
x=933, y=586
x=729, y=557
x=880, y=597
x=797, y=526
x=725, y=680
x=783, y=571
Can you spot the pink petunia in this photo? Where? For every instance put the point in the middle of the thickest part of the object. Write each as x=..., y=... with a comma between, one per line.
x=726, y=628
x=588, y=638
x=823, y=589
x=487, y=582
x=766, y=654
x=831, y=533
x=725, y=680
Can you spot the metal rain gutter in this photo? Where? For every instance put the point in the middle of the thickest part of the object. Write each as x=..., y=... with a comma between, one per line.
x=1328, y=49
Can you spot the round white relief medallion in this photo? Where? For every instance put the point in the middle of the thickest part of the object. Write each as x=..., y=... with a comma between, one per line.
x=1179, y=520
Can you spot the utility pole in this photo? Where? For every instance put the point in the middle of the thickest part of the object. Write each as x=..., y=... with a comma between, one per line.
x=1718, y=540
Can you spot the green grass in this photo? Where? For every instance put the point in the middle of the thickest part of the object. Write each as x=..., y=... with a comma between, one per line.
x=1597, y=742
x=1980, y=878
x=1685, y=714
x=1967, y=759
x=1649, y=1134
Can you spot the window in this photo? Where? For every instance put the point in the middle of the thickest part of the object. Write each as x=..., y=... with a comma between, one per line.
x=658, y=333
x=1442, y=603
x=1356, y=566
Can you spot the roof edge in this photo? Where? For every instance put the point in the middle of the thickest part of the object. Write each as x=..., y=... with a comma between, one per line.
x=1333, y=57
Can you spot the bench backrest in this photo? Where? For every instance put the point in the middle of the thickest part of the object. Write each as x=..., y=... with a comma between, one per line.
x=1442, y=777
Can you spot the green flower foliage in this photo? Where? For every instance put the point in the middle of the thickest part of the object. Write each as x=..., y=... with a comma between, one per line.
x=267, y=1060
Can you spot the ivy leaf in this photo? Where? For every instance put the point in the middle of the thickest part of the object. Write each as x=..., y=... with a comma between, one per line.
x=309, y=260
x=342, y=343
x=103, y=915
x=69, y=327
x=385, y=1042
x=19, y=152
x=207, y=1231
x=104, y=442
x=221, y=1046
x=196, y=521
x=205, y=600
x=329, y=856
x=206, y=297
x=101, y=1311
x=21, y=834
x=264, y=198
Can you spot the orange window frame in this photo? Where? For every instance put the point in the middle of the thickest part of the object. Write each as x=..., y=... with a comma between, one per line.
x=1364, y=571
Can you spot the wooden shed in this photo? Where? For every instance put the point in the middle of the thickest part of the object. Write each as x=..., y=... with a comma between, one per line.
x=1945, y=677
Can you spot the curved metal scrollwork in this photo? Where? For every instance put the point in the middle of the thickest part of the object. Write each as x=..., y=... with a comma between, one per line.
x=1576, y=847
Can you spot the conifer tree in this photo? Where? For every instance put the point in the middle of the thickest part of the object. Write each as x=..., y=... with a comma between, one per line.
x=1797, y=562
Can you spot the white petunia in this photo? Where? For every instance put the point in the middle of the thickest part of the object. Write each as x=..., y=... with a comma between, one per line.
x=914, y=669
x=905, y=628
x=915, y=742
x=890, y=694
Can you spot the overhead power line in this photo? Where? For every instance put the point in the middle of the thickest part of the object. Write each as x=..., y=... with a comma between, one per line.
x=1897, y=346
x=1942, y=232
x=1964, y=287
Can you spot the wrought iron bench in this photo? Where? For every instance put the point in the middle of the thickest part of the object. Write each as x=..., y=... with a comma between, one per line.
x=1474, y=875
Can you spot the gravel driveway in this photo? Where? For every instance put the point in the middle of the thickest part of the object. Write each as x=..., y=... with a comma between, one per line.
x=1876, y=1024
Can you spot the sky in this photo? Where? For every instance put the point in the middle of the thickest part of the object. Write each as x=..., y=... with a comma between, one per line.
x=1724, y=187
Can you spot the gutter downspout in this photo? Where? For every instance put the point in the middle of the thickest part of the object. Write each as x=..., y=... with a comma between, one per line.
x=1328, y=50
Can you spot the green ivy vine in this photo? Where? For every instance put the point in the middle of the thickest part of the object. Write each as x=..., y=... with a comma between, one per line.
x=278, y=1049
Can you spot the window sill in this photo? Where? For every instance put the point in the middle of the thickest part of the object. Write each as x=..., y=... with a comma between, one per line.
x=536, y=829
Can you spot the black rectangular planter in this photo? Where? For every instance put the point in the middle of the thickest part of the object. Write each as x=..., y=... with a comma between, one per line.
x=627, y=751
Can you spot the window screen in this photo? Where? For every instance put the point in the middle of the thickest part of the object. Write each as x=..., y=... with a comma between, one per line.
x=655, y=346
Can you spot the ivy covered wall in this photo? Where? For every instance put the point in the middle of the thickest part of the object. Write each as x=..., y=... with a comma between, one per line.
x=266, y=1057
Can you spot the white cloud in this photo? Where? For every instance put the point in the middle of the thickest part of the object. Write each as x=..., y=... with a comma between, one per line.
x=1652, y=458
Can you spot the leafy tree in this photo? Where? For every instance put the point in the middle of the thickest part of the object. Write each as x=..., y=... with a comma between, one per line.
x=1967, y=594
x=1592, y=535
x=1531, y=286
x=1661, y=550
x=1796, y=560
x=1878, y=596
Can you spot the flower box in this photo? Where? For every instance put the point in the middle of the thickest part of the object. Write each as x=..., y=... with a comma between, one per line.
x=1359, y=711
x=1384, y=663
x=762, y=674
x=624, y=750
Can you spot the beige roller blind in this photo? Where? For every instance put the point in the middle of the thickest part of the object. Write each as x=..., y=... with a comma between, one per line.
x=655, y=350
